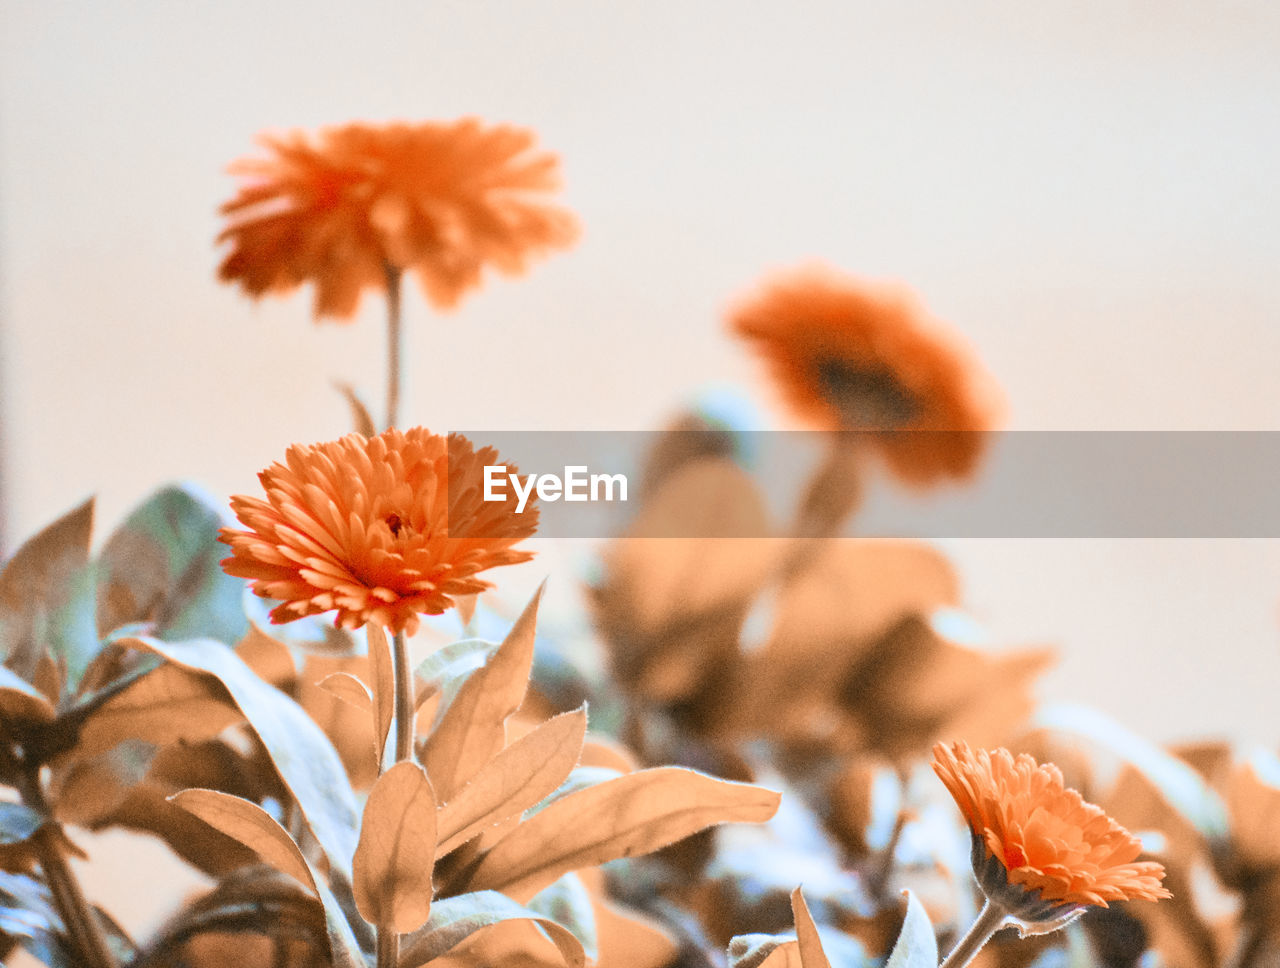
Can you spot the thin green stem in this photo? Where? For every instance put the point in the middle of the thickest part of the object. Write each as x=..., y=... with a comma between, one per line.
x=404, y=698
x=990, y=920
x=394, y=341
x=388, y=947
x=83, y=928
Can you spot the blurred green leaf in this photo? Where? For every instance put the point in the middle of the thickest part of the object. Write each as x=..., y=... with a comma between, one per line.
x=916, y=946
x=754, y=950
x=455, y=919
x=22, y=702
x=18, y=822
x=27, y=915
x=360, y=417
x=448, y=667
x=73, y=627
x=568, y=902
x=1177, y=782
x=302, y=754
x=35, y=584
x=163, y=566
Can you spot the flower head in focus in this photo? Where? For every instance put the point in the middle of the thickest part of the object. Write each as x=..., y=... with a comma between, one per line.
x=853, y=355
x=1041, y=852
x=379, y=529
x=344, y=208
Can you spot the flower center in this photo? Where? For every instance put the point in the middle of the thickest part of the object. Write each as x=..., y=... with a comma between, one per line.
x=867, y=398
x=395, y=524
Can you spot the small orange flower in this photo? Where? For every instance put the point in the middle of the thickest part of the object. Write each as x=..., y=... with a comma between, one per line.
x=849, y=354
x=378, y=529
x=1040, y=851
x=440, y=199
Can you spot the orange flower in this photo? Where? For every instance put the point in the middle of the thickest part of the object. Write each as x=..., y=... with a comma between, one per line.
x=378, y=528
x=849, y=354
x=1040, y=851
x=440, y=199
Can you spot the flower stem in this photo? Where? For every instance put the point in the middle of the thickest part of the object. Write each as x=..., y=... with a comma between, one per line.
x=394, y=340
x=388, y=946
x=404, y=698
x=88, y=942
x=990, y=920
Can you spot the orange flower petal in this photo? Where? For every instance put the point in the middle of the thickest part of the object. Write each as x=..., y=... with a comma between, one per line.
x=379, y=529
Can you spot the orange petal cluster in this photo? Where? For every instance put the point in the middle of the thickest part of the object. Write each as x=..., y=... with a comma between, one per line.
x=854, y=355
x=379, y=529
x=1038, y=845
x=440, y=200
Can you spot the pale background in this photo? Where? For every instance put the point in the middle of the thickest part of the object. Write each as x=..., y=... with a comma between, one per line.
x=1088, y=190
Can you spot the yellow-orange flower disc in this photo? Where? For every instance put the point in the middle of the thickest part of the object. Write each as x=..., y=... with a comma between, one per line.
x=438, y=199
x=1039, y=847
x=377, y=529
x=855, y=355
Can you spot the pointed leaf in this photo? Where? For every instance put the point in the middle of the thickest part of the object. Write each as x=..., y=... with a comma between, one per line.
x=811, y=953
x=252, y=826
x=360, y=417
x=568, y=902
x=350, y=690
x=526, y=772
x=301, y=753
x=268, y=657
x=455, y=919
x=394, y=859
x=916, y=946
x=1184, y=789
x=35, y=583
x=22, y=702
x=384, y=684
x=167, y=704
x=162, y=566
x=472, y=730
x=631, y=814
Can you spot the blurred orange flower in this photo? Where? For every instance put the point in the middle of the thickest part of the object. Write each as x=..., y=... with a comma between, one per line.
x=378, y=529
x=850, y=354
x=1040, y=850
x=440, y=199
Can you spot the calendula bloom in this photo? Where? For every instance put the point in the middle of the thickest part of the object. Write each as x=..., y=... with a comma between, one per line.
x=438, y=199
x=378, y=529
x=1040, y=852
x=849, y=354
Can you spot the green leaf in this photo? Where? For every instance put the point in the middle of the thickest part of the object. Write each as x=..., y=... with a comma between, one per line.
x=568, y=902
x=1178, y=783
x=916, y=946
x=73, y=628
x=472, y=730
x=27, y=914
x=757, y=950
x=632, y=814
x=360, y=416
x=34, y=585
x=252, y=826
x=18, y=822
x=455, y=919
x=22, y=702
x=302, y=754
x=163, y=566
x=448, y=667
x=514, y=780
